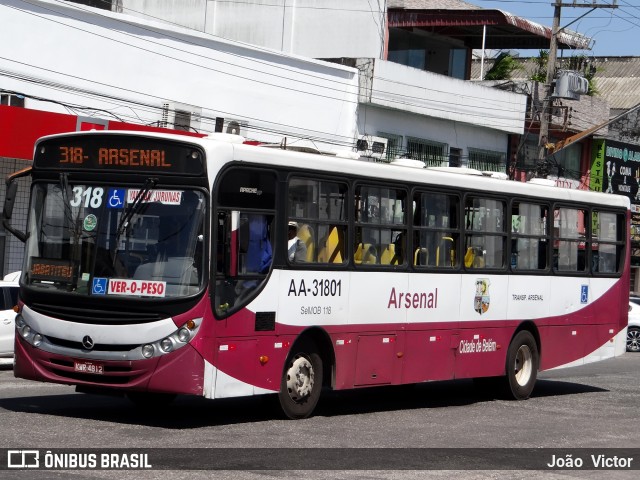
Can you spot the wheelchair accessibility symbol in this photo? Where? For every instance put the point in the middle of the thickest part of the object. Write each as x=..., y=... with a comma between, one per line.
x=99, y=286
x=584, y=294
x=115, y=198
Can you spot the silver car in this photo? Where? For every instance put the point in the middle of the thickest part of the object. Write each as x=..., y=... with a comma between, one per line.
x=8, y=300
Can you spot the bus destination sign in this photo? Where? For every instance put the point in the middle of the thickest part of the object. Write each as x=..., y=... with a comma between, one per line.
x=52, y=270
x=119, y=153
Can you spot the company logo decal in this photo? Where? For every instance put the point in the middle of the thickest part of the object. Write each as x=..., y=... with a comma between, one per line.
x=482, y=300
x=87, y=342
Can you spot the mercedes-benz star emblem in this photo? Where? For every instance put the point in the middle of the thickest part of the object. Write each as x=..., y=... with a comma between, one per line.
x=87, y=342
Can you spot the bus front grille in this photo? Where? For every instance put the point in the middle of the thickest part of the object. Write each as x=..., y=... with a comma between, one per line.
x=96, y=317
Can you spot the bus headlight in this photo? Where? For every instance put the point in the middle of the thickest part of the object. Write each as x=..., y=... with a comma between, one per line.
x=26, y=331
x=147, y=351
x=19, y=322
x=37, y=339
x=184, y=334
x=170, y=343
x=166, y=345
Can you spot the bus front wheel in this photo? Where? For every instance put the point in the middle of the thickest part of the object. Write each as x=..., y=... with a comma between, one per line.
x=301, y=382
x=522, y=365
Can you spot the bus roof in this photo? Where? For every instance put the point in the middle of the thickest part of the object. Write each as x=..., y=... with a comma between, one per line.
x=426, y=176
x=447, y=177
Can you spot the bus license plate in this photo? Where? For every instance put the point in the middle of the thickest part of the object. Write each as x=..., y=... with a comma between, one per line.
x=88, y=367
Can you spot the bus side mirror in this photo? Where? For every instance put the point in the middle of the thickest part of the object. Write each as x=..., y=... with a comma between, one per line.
x=7, y=212
x=10, y=199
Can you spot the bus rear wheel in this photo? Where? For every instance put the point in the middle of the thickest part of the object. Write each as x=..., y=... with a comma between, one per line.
x=301, y=382
x=522, y=365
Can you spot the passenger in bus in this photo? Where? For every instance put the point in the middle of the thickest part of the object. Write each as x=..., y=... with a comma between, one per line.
x=258, y=255
x=296, y=248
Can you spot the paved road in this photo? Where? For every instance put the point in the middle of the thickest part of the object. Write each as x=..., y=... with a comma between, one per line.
x=594, y=406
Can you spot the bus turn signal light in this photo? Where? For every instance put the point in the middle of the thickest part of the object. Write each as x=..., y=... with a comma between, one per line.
x=263, y=359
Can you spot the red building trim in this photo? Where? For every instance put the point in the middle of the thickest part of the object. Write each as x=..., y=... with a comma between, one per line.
x=21, y=127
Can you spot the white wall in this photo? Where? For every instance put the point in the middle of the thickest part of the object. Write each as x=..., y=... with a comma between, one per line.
x=124, y=67
x=430, y=94
x=312, y=28
x=374, y=120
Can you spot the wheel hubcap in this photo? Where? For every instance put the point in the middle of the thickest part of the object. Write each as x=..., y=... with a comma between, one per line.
x=523, y=366
x=633, y=340
x=300, y=379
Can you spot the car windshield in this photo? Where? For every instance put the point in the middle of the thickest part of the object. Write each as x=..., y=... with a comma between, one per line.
x=113, y=240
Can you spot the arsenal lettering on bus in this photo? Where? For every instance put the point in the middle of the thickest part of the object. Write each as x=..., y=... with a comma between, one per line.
x=416, y=300
x=132, y=157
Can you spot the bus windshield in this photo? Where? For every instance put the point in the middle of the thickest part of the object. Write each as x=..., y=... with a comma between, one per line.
x=91, y=239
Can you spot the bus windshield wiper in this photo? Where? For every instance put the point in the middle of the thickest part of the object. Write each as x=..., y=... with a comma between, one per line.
x=67, y=212
x=64, y=193
x=131, y=210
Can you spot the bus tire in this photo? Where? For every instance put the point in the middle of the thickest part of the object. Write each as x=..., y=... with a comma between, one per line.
x=522, y=365
x=301, y=381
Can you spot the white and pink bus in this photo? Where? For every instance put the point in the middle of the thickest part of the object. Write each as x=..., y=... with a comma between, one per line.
x=158, y=265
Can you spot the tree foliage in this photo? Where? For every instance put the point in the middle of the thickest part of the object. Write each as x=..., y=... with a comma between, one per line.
x=540, y=73
x=503, y=67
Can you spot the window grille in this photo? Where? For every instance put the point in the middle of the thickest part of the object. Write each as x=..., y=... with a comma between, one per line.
x=394, y=145
x=433, y=154
x=487, y=160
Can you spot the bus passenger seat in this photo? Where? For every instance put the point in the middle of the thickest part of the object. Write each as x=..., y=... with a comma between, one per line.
x=332, y=250
x=389, y=256
x=305, y=233
x=474, y=258
x=447, y=245
x=421, y=256
x=365, y=253
x=469, y=257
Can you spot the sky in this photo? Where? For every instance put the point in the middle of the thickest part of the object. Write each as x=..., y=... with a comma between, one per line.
x=614, y=31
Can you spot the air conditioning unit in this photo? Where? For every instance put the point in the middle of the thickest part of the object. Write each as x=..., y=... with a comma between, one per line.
x=180, y=116
x=372, y=147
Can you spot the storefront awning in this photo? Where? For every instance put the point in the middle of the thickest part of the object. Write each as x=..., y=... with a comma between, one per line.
x=503, y=30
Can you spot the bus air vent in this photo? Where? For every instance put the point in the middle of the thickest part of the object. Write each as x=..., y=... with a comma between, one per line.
x=265, y=321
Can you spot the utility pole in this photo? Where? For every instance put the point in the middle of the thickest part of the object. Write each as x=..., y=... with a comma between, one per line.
x=545, y=116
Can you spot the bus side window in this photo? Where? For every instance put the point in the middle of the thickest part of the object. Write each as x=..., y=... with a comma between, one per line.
x=436, y=230
x=529, y=236
x=244, y=257
x=486, y=235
